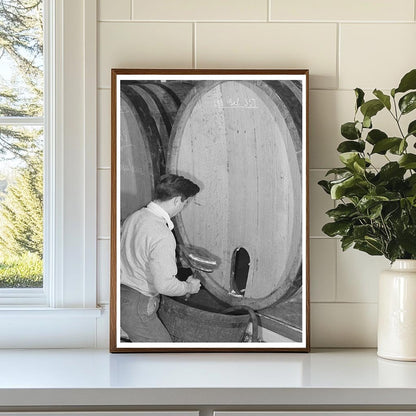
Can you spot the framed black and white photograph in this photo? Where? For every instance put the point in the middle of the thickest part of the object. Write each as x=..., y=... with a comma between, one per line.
x=209, y=214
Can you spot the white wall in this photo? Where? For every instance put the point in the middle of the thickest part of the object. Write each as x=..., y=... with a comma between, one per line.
x=345, y=44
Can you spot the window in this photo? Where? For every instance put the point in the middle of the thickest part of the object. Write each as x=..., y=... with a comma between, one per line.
x=22, y=128
x=63, y=312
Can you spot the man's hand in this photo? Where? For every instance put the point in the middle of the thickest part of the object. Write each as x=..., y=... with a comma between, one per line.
x=193, y=285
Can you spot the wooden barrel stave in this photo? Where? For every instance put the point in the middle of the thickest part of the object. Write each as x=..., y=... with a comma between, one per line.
x=230, y=131
x=137, y=170
x=290, y=92
x=148, y=110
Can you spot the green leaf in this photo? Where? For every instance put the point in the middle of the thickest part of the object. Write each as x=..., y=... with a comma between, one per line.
x=340, y=180
x=413, y=212
x=375, y=211
x=385, y=99
x=408, y=102
x=380, y=189
x=391, y=212
x=390, y=170
x=368, y=248
x=403, y=205
x=374, y=242
x=350, y=131
x=359, y=165
x=374, y=136
x=408, y=82
x=407, y=239
x=399, y=148
x=368, y=201
x=392, y=196
x=371, y=108
x=342, y=211
x=411, y=130
x=412, y=201
x=336, y=228
x=338, y=171
x=359, y=95
x=367, y=122
x=361, y=231
x=346, y=242
x=408, y=161
x=350, y=146
x=383, y=145
x=393, y=250
x=338, y=190
x=355, y=199
x=349, y=158
x=411, y=182
x=325, y=186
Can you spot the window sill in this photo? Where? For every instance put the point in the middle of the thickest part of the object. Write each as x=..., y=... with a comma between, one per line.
x=39, y=327
x=330, y=379
x=36, y=312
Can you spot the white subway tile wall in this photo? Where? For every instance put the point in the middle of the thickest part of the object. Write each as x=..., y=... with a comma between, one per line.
x=352, y=10
x=142, y=45
x=345, y=44
x=103, y=270
x=323, y=269
x=114, y=10
x=319, y=203
x=270, y=45
x=357, y=275
x=104, y=202
x=104, y=128
x=200, y=10
x=376, y=54
x=328, y=109
x=338, y=325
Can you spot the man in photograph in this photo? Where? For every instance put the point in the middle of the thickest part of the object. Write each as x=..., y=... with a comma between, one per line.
x=148, y=260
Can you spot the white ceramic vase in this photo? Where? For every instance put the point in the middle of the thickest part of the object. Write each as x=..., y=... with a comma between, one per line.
x=397, y=312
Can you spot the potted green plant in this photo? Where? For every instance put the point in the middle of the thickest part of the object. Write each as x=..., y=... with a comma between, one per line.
x=376, y=209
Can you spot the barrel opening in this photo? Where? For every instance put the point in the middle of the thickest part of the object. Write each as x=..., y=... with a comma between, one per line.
x=240, y=266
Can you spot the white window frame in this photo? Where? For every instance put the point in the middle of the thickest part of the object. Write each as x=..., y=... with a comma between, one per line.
x=64, y=312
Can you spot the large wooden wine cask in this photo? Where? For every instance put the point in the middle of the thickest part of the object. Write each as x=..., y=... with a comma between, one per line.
x=136, y=168
x=147, y=113
x=239, y=141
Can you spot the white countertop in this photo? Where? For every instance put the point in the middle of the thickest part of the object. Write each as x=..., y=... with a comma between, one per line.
x=96, y=377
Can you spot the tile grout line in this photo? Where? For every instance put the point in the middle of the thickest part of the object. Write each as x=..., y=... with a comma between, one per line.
x=338, y=65
x=131, y=9
x=319, y=169
x=355, y=302
x=336, y=271
x=269, y=10
x=194, y=62
x=307, y=22
x=323, y=237
x=310, y=89
x=338, y=241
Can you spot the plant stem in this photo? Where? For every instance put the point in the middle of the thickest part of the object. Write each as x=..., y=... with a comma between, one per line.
x=387, y=231
x=397, y=118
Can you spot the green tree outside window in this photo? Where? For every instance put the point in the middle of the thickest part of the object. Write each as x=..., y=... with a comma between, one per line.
x=21, y=143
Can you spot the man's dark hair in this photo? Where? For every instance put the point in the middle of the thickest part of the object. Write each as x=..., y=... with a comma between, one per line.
x=171, y=185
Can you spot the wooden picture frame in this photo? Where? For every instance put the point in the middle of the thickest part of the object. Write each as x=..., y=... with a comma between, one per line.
x=242, y=137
